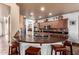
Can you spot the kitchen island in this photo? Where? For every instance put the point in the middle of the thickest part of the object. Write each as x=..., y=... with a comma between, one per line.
x=42, y=42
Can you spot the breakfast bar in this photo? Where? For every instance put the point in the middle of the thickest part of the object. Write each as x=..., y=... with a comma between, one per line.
x=44, y=44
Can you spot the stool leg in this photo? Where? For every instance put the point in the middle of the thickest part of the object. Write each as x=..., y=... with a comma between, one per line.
x=71, y=50
x=60, y=53
x=51, y=50
x=55, y=53
x=64, y=52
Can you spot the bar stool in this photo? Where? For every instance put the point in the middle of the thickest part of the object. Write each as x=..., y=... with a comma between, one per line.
x=14, y=49
x=62, y=48
x=58, y=48
x=68, y=44
x=33, y=51
x=61, y=51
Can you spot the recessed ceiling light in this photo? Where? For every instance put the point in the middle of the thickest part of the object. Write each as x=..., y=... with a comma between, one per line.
x=32, y=13
x=42, y=8
x=40, y=16
x=50, y=14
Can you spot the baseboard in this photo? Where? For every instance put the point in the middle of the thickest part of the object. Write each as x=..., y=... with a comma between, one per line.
x=76, y=44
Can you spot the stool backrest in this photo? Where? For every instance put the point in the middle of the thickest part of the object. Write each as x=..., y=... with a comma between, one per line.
x=13, y=49
x=67, y=43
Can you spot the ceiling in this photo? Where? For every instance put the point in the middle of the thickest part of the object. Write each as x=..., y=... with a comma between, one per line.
x=54, y=8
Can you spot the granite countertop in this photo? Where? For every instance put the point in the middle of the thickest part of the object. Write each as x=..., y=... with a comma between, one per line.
x=41, y=40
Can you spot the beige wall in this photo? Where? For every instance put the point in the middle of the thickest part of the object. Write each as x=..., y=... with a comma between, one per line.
x=21, y=21
x=73, y=29
x=4, y=12
x=14, y=17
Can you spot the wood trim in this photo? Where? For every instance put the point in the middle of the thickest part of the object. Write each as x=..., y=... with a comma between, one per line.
x=38, y=42
x=76, y=44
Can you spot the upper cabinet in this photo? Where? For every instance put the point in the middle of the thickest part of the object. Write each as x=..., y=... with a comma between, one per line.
x=63, y=23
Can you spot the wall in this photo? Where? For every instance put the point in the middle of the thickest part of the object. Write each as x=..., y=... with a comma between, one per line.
x=14, y=17
x=73, y=29
x=4, y=12
x=21, y=21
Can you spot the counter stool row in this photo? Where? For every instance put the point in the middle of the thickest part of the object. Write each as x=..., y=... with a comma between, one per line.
x=14, y=49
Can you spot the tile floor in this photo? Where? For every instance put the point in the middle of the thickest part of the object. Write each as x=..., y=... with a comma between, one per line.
x=4, y=45
x=76, y=50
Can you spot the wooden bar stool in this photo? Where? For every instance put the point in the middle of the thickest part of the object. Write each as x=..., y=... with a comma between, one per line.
x=32, y=51
x=68, y=44
x=14, y=49
x=62, y=48
x=58, y=48
x=61, y=51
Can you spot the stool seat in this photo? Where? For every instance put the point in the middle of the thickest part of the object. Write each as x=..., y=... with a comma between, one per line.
x=61, y=49
x=57, y=45
x=32, y=51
